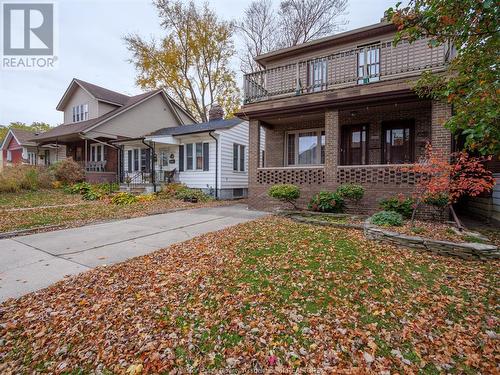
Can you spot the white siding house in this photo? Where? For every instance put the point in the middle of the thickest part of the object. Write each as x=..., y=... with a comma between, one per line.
x=211, y=156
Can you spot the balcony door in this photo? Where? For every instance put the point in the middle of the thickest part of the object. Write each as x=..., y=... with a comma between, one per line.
x=354, y=150
x=398, y=142
x=317, y=75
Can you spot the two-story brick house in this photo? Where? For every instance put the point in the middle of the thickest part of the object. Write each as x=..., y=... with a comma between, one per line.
x=341, y=109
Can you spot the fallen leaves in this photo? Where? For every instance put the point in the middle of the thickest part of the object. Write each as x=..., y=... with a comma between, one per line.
x=270, y=295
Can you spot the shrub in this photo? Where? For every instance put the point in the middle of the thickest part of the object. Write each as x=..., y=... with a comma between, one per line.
x=146, y=197
x=387, y=219
x=399, y=204
x=287, y=193
x=351, y=191
x=171, y=190
x=192, y=195
x=25, y=177
x=69, y=171
x=92, y=192
x=123, y=198
x=326, y=202
x=440, y=200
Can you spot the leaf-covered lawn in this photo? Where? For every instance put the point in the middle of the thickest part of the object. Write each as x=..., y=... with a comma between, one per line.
x=83, y=213
x=268, y=295
x=37, y=198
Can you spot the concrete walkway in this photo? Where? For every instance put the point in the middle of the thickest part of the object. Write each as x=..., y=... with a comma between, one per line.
x=33, y=262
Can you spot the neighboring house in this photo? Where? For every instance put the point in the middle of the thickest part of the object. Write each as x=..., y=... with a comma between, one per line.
x=341, y=109
x=94, y=117
x=212, y=156
x=18, y=147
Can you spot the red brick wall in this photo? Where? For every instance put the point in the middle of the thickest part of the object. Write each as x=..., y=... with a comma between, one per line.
x=428, y=126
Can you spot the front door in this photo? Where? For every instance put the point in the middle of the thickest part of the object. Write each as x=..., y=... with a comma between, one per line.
x=354, y=145
x=397, y=142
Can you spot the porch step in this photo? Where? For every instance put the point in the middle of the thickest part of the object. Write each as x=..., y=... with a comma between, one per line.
x=133, y=190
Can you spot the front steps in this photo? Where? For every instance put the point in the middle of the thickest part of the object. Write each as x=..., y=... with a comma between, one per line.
x=137, y=188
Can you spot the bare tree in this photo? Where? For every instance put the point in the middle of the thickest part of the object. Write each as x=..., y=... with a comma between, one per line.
x=305, y=20
x=265, y=29
x=258, y=28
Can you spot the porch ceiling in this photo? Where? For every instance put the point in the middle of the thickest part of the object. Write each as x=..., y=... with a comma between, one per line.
x=294, y=119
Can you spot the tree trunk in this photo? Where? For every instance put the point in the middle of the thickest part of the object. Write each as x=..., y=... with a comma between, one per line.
x=456, y=219
x=414, y=213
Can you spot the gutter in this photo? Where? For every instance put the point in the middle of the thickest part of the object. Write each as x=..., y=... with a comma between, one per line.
x=216, y=163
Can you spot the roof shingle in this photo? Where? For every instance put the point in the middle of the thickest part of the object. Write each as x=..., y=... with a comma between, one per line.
x=198, y=128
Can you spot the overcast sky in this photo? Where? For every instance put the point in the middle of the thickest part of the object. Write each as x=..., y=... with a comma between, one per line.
x=91, y=48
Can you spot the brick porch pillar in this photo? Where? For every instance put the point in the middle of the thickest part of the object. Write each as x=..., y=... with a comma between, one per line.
x=253, y=161
x=440, y=136
x=331, y=146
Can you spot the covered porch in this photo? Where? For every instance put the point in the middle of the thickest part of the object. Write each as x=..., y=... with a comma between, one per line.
x=365, y=144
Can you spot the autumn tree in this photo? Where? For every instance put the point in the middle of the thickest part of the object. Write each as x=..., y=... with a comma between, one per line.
x=192, y=61
x=265, y=28
x=442, y=184
x=473, y=83
x=35, y=127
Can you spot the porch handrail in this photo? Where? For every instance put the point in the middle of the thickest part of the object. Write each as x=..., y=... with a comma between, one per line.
x=341, y=69
x=292, y=167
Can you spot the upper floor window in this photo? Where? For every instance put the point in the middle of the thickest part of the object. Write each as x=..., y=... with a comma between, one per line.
x=317, y=75
x=369, y=64
x=80, y=112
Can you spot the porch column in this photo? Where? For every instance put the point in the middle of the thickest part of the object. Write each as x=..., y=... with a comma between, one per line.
x=331, y=146
x=253, y=160
x=440, y=136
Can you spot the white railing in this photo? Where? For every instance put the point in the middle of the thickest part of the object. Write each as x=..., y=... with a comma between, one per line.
x=381, y=61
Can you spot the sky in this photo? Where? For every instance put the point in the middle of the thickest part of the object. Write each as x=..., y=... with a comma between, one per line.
x=91, y=48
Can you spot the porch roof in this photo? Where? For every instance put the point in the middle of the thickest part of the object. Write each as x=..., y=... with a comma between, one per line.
x=197, y=128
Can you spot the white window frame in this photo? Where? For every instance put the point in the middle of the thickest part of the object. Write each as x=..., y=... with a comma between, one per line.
x=80, y=112
x=241, y=164
x=32, y=158
x=9, y=155
x=93, y=152
x=193, y=155
x=369, y=70
x=318, y=132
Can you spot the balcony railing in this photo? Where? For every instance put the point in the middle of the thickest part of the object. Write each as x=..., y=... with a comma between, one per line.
x=373, y=63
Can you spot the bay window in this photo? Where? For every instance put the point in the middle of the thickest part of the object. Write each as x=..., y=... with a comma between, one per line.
x=305, y=147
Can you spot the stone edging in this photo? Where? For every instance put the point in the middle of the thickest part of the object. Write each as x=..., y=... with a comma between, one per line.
x=464, y=250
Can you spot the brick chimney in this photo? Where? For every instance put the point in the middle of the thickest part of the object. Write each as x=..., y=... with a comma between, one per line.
x=216, y=113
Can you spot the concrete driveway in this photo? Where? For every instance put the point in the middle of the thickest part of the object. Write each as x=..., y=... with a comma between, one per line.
x=33, y=262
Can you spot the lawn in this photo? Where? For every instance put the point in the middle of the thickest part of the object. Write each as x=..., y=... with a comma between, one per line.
x=79, y=213
x=271, y=295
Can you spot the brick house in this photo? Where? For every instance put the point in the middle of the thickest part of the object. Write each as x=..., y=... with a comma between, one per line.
x=341, y=110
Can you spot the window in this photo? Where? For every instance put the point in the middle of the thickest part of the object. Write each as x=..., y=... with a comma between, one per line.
x=368, y=64
x=398, y=142
x=32, y=158
x=46, y=157
x=9, y=155
x=237, y=192
x=145, y=160
x=305, y=147
x=136, y=159
x=199, y=156
x=317, y=77
x=238, y=157
x=96, y=152
x=189, y=157
x=80, y=112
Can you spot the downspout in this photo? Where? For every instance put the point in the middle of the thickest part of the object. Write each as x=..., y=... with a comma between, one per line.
x=216, y=163
x=153, y=179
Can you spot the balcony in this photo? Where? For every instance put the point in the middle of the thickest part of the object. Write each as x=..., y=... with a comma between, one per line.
x=346, y=68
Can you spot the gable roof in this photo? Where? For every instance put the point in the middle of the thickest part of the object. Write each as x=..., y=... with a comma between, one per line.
x=99, y=93
x=78, y=127
x=23, y=137
x=198, y=128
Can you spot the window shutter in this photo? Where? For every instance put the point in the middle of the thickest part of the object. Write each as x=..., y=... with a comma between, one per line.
x=235, y=157
x=242, y=158
x=206, y=153
x=129, y=160
x=181, y=158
